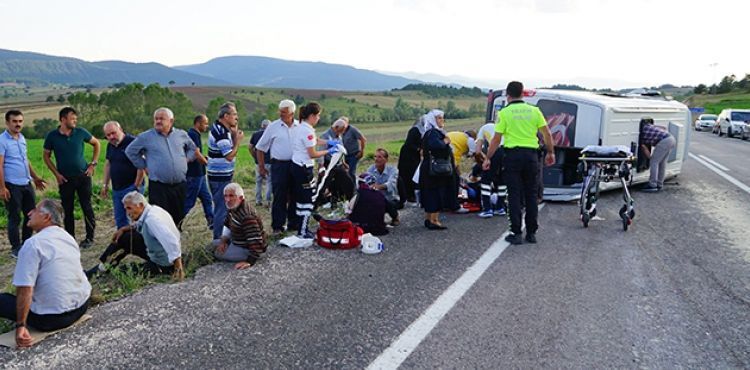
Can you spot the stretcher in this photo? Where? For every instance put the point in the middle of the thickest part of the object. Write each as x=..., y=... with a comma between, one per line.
x=604, y=164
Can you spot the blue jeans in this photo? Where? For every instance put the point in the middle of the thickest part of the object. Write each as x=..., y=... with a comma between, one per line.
x=220, y=208
x=197, y=187
x=351, y=161
x=259, y=182
x=121, y=218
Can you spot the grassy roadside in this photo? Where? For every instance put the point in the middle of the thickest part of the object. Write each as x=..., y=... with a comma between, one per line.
x=195, y=236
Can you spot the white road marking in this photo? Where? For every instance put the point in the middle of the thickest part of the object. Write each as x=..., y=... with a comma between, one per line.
x=409, y=340
x=709, y=160
x=721, y=173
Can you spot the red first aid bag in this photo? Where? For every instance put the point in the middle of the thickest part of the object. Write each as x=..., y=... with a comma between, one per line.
x=338, y=234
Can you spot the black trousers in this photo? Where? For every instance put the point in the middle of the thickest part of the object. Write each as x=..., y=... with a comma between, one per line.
x=80, y=185
x=131, y=242
x=284, y=207
x=492, y=179
x=391, y=208
x=48, y=322
x=303, y=191
x=171, y=197
x=520, y=172
x=22, y=201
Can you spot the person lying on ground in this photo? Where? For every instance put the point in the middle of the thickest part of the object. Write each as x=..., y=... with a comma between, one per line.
x=152, y=236
x=52, y=291
x=243, y=239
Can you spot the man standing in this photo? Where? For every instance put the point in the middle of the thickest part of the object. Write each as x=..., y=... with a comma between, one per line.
x=223, y=145
x=197, y=187
x=165, y=152
x=278, y=139
x=242, y=239
x=492, y=179
x=518, y=123
x=16, y=174
x=259, y=179
x=386, y=181
x=662, y=143
x=125, y=177
x=72, y=172
x=51, y=290
x=153, y=236
x=354, y=142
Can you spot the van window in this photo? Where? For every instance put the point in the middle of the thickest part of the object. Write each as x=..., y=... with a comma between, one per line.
x=561, y=118
x=741, y=116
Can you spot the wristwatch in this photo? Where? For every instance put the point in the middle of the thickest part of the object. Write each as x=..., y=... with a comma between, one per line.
x=19, y=325
x=93, y=163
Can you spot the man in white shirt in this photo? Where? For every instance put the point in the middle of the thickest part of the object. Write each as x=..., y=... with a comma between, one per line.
x=52, y=291
x=278, y=139
x=152, y=236
x=493, y=185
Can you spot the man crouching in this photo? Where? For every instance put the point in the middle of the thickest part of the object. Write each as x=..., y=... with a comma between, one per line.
x=152, y=236
x=242, y=239
x=52, y=291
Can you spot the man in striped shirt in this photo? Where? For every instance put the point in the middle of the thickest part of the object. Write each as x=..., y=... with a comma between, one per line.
x=242, y=239
x=223, y=145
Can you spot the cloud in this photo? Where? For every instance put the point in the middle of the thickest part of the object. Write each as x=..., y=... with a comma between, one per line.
x=555, y=6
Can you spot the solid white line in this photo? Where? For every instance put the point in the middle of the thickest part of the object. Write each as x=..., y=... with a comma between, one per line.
x=709, y=160
x=410, y=339
x=721, y=173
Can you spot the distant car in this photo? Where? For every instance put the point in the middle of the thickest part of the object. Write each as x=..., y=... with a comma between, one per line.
x=705, y=122
x=733, y=122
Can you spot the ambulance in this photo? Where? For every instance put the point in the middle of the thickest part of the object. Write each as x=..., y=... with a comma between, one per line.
x=580, y=118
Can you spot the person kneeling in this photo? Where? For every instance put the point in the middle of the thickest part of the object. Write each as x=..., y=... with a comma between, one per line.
x=242, y=239
x=53, y=292
x=152, y=236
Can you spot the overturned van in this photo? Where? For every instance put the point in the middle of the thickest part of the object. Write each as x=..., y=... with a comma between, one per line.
x=578, y=118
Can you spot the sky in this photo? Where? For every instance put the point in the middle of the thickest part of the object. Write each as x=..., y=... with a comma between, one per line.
x=593, y=43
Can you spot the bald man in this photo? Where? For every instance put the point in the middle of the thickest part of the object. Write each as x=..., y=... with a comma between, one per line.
x=119, y=170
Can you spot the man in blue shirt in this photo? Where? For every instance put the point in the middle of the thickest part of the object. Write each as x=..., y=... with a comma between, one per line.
x=197, y=187
x=16, y=174
x=223, y=145
x=165, y=151
x=386, y=181
x=125, y=177
x=72, y=172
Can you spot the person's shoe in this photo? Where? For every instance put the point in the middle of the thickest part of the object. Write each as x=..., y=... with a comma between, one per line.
x=531, y=238
x=499, y=212
x=395, y=222
x=90, y=273
x=650, y=189
x=307, y=235
x=14, y=253
x=86, y=243
x=514, y=239
x=486, y=214
x=277, y=232
x=461, y=210
x=210, y=224
x=430, y=226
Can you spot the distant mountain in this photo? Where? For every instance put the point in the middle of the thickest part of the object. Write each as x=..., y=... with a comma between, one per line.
x=271, y=72
x=27, y=66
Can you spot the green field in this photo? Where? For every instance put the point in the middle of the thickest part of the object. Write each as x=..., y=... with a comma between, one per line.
x=715, y=103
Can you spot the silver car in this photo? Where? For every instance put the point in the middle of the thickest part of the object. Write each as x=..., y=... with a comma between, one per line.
x=733, y=122
x=705, y=122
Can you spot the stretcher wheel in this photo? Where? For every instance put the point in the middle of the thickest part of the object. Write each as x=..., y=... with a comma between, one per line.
x=632, y=214
x=585, y=218
x=625, y=216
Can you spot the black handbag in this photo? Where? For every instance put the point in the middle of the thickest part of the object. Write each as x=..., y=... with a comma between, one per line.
x=440, y=167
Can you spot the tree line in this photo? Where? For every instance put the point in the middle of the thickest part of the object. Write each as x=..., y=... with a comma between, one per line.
x=726, y=85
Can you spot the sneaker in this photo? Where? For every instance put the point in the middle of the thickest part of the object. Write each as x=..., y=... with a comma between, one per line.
x=650, y=189
x=486, y=214
x=514, y=239
x=531, y=238
x=14, y=253
x=499, y=212
x=210, y=224
x=307, y=235
x=86, y=243
x=277, y=232
x=461, y=210
x=395, y=222
x=90, y=273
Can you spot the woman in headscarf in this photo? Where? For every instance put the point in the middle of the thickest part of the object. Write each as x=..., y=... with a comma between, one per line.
x=408, y=161
x=437, y=191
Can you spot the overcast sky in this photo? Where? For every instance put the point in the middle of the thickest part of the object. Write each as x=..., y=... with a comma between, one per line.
x=595, y=43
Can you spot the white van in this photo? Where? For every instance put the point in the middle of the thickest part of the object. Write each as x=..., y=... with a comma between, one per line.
x=733, y=122
x=578, y=118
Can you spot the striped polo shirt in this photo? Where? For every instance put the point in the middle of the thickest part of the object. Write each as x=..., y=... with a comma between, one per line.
x=220, y=144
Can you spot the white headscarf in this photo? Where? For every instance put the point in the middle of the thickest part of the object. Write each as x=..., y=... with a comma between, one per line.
x=430, y=120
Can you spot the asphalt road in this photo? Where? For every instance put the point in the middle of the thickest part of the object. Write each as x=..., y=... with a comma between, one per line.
x=673, y=291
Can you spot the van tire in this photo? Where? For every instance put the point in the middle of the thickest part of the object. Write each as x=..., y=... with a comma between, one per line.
x=729, y=132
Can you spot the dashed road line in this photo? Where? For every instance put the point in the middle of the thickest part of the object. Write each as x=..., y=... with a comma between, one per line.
x=721, y=173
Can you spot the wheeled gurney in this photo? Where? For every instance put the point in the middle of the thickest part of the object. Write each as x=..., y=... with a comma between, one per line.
x=604, y=164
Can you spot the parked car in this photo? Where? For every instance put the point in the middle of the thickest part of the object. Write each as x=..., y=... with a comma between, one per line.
x=733, y=122
x=705, y=122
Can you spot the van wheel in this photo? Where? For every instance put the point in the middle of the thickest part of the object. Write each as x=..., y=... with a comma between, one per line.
x=729, y=132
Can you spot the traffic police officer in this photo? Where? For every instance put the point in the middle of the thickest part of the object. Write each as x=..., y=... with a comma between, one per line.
x=519, y=122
